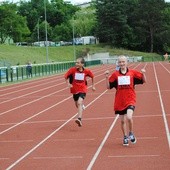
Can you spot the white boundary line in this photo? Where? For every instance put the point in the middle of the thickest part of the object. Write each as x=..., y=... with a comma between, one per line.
x=102, y=144
x=162, y=107
x=35, y=115
x=132, y=156
x=18, y=107
x=63, y=157
x=49, y=136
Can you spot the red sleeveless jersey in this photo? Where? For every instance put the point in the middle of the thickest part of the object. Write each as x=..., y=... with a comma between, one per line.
x=78, y=79
x=125, y=84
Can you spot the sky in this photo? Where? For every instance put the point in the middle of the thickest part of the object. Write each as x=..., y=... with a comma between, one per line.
x=72, y=1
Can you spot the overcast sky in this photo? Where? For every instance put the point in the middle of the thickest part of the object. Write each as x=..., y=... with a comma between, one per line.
x=72, y=1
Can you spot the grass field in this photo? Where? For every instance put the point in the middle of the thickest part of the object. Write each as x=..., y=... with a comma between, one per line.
x=20, y=55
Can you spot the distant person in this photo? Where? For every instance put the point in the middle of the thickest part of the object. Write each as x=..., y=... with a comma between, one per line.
x=124, y=82
x=29, y=69
x=117, y=66
x=76, y=80
x=166, y=56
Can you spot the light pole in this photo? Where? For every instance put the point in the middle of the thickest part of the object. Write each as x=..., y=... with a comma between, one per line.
x=74, y=50
x=38, y=30
x=46, y=38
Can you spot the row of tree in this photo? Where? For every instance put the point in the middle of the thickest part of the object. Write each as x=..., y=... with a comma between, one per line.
x=133, y=24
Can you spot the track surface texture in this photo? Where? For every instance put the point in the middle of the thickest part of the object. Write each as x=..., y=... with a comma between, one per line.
x=38, y=129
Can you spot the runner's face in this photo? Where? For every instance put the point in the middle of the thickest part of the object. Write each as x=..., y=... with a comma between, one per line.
x=122, y=62
x=79, y=64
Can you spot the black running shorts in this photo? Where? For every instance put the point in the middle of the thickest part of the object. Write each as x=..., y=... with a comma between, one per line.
x=123, y=112
x=76, y=96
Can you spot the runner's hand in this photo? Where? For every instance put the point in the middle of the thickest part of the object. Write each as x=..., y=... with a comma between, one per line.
x=93, y=88
x=143, y=70
x=107, y=73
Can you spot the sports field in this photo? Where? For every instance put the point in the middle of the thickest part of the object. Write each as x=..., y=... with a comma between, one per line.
x=38, y=129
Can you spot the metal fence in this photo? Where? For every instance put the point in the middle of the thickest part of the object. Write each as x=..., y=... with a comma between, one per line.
x=18, y=73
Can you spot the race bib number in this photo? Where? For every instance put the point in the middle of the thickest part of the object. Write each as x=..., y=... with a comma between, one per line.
x=124, y=80
x=79, y=76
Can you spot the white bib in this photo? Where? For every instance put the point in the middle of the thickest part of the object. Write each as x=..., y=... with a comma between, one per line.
x=79, y=76
x=123, y=80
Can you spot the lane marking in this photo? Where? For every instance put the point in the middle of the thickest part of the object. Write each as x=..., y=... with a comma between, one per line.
x=6, y=130
x=66, y=140
x=142, y=138
x=4, y=158
x=58, y=157
x=102, y=144
x=49, y=136
x=132, y=156
x=28, y=103
x=15, y=141
x=85, y=119
x=162, y=107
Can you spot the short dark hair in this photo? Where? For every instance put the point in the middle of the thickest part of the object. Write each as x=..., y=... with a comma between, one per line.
x=82, y=60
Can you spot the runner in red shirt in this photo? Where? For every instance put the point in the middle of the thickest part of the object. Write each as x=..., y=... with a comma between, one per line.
x=124, y=80
x=76, y=81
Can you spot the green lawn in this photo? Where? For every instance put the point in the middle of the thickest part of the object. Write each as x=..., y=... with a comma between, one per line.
x=20, y=55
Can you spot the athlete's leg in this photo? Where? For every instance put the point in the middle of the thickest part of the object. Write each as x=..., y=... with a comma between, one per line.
x=123, y=124
x=130, y=119
x=79, y=106
x=130, y=122
x=76, y=103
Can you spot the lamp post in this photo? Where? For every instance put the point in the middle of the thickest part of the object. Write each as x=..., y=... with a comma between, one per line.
x=46, y=38
x=74, y=50
x=38, y=30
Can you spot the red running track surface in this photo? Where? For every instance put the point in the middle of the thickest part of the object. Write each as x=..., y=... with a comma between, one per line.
x=38, y=132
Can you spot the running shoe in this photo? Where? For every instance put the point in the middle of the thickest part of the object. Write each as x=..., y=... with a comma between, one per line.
x=132, y=137
x=83, y=107
x=125, y=141
x=78, y=121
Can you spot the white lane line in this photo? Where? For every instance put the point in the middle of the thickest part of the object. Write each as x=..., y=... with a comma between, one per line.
x=33, y=101
x=21, y=96
x=132, y=156
x=162, y=107
x=4, y=158
x=2, y=132
x=142, y=138
x=164, y=67
x=66, y=140
x=6, y=130
x=85, y=119
x=102, y=144
x=18, y=107
x=50, y=135
x=58, y=157
x=38, y=145
x=15, y=141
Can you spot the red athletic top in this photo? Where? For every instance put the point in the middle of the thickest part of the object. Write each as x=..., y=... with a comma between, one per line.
x=78, y=79
x=124, y=84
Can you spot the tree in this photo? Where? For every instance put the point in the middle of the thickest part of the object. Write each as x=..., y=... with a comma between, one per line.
x=58, y=15
x=150, y=23
x=134, y=24
x=112, y=22
x=84, y=22
x=11, y=24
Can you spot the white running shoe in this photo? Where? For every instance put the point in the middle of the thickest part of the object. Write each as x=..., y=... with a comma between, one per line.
x=83, y=107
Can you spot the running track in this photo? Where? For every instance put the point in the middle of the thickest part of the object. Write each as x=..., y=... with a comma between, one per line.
x=38, y=132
